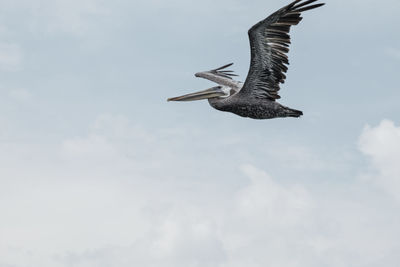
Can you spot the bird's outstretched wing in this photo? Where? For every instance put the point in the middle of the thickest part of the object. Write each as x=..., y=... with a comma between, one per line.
x=269, y=42
x=220, y=76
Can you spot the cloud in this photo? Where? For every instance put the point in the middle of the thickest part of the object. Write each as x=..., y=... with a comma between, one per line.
x=10, y=57
x=90, y=201
x=264, y=193
x=382, y=145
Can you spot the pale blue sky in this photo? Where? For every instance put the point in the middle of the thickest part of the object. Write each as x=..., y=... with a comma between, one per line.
x=97, y=169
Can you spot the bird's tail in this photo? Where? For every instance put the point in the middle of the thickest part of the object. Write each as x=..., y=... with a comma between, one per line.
x=293, y=113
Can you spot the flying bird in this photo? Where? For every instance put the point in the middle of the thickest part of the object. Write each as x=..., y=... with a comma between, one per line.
x=256, y=97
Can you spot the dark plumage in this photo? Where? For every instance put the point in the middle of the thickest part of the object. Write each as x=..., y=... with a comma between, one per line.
x=269, y=44
x=255, y=108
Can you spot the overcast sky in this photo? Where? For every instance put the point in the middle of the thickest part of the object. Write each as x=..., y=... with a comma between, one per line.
x=97, y=169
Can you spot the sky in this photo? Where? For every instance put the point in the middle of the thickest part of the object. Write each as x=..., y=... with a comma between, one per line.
x=98, y=170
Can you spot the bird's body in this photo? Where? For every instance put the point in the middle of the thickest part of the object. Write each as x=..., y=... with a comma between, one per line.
x=253, y=108
x=256, y=97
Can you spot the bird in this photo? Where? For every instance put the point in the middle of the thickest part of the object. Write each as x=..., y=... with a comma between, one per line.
x=269, y=45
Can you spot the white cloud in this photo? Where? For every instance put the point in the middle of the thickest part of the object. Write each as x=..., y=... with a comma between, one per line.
x=281, y=205
x=10, y=57
x=382, y=145
x=87, y=201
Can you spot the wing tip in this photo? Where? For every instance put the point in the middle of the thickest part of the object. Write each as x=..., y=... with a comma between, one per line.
x=304, y=6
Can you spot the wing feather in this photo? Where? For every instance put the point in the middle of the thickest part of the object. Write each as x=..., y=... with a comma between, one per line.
x=269, y=44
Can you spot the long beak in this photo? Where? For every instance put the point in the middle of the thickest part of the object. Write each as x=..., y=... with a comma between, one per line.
x=205, y=94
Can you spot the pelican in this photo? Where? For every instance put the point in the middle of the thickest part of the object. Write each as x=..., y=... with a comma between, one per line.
x=256, y=97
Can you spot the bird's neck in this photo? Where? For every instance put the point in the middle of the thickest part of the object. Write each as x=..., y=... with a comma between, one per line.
x=217, y=103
